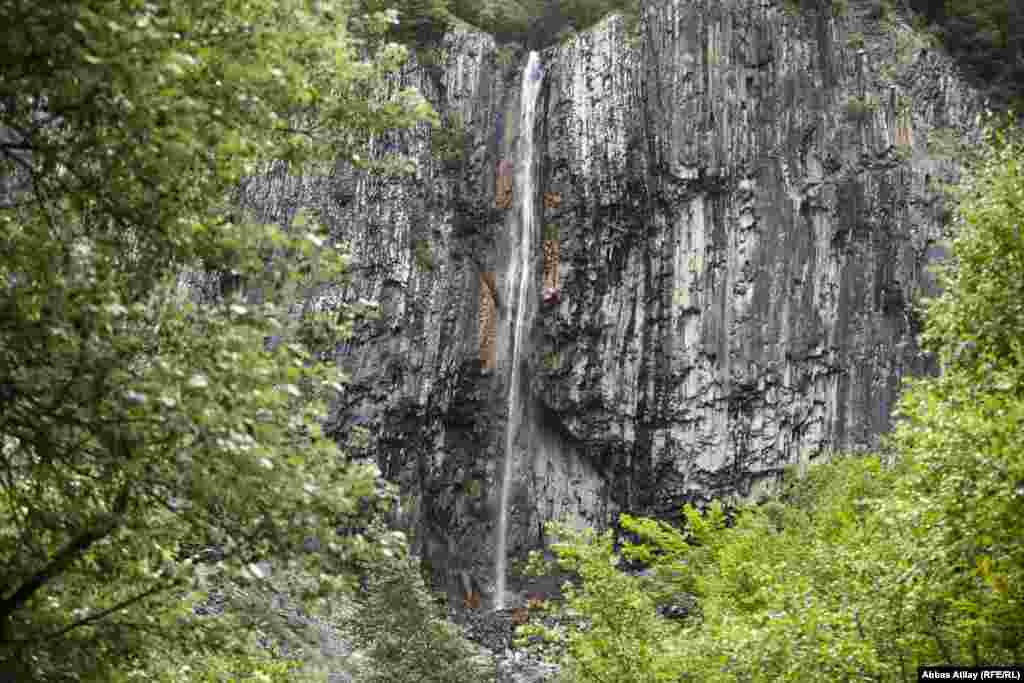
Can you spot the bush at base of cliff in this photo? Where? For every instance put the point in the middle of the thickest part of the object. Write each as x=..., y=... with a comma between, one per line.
x=965, y=430
x=804, y=589
x=403, y=635
x=864, y=569
x=608, y=628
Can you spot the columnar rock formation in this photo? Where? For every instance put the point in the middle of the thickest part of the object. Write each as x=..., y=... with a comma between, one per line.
x=740, y=203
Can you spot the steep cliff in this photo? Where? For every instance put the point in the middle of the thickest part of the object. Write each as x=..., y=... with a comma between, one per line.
x=736, y=209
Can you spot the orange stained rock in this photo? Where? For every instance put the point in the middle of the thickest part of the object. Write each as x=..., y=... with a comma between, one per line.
x=503, y=185
x=551, y=260
x=552, y=200
x=904, y=130
x=488, y=321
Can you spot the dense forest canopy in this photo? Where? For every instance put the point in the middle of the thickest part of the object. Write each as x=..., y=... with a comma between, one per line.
x=137, y=427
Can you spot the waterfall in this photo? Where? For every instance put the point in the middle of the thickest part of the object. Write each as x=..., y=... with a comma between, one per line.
x=518, y=287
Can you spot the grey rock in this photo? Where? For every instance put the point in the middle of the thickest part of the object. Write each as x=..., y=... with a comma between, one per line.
x=518, y=667
x=745, y=212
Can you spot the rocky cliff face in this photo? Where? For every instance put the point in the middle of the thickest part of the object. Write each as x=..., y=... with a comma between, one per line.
x=737, y=209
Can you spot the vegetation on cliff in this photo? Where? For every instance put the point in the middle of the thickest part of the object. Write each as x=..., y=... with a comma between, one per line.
x=534, y=23
x=869, y=566
x=987, y=37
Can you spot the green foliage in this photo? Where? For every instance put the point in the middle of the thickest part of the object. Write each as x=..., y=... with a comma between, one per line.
x=585, y=13
x=903, y=152
x=216, y=667
x=551, y=231
x=861, y=108
x=538, y=22
x=416, y=23
x=133, y=421
x=404, y=634
x=430, y=57
x=881, y=11
x=855, y=41
x=423, y=256
x=987, y=38
x=505, y=20
x=505, y=55
x=963, y=429
x=979, y=306
x=622, y=638
x=909, y=42
x=566, y=35
x=448, y=142
x=786, y=593
x=835, y=8
x=473, y=488
x=945, y=143
x=792, y=6
x=906, y=45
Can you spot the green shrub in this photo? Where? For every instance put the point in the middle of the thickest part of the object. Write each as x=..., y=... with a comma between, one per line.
x=423, y=256
x=903, y=153
x=420, y=22
x=533, y=21
x=945, y=143
x=400, y=628
x=621, y=637
x=800, y=8
x=448, y=142
x=909, y=43
x=860, y=109
x=566, y=35
x=505, y=55
x=881, y=11
x=963, y=431
x=431, y=56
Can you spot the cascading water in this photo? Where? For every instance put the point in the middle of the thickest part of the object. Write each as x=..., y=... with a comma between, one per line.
x=519, y=281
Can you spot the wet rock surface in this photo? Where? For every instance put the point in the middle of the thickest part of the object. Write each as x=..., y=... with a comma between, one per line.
x=747, y=201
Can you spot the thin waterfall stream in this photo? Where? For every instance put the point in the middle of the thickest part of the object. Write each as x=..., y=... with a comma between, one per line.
x=519, y=281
